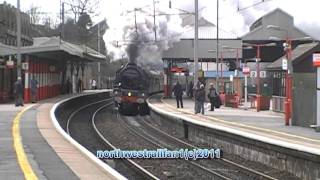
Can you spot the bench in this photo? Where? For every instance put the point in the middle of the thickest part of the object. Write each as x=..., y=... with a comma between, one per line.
x=235, y=101
x=232, y=101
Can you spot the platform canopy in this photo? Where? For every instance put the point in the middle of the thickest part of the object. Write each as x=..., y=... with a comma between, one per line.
x=183, y=50
x=300, y=52
x=5, y=50
x=54, y=48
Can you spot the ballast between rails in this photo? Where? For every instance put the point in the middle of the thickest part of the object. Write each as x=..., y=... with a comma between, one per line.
x=104, y=167
x=223, y=159
x=140, y=169
x=150, y=140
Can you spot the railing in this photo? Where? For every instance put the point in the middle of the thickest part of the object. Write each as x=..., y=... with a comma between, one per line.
x=4, y=96
x=278, y=103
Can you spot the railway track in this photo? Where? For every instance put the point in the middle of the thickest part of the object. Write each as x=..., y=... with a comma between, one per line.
x=81, y=126
x=143, y=172
x=156, y=138
x=251, y=172
x=155, y=142
x=232, y=171
x=161, y=168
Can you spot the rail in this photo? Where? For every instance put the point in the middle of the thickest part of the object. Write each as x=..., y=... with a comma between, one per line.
x=223, y=159
x=136, y=166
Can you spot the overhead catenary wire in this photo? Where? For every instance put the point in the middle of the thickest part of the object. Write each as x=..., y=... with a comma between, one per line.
x=250, y=6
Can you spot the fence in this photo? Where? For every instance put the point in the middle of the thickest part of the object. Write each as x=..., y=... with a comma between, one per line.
x=278, y=103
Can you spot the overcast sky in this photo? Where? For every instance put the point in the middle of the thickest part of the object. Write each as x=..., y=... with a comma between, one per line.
x=305, y=12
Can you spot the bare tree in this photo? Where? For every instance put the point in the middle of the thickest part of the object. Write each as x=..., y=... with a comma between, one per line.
x=79, y=7
x=49, y=22
x=34, y=13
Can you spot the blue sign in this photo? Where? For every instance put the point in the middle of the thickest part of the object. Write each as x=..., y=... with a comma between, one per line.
x=226, y=74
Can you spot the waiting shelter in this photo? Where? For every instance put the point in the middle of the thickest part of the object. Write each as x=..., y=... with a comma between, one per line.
x=51, y=61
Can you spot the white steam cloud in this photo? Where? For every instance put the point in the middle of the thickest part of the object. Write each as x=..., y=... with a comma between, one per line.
x=124, y=32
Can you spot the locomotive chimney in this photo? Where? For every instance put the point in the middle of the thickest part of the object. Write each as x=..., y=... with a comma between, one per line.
x=133, y=52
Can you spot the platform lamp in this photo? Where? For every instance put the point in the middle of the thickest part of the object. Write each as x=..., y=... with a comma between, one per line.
x=287, y=50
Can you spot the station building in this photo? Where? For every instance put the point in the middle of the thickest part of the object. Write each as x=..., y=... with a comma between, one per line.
x=180, y=57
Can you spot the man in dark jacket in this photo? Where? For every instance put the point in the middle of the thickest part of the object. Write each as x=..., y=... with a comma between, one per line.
x=33, y=88
x=200, y=97
x=190, y=89
x=177, y=90
x=18, y=91
x=212, y=95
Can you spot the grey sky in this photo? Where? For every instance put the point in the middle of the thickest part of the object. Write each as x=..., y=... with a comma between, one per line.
x=304, y=12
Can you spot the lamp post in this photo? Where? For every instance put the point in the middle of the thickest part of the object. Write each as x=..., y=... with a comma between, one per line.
x=258, y=47
x=18, y=15
x=196, y=66
x=217, y=47
x=288, y=77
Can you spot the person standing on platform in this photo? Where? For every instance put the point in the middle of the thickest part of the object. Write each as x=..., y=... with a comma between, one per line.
x=201, y=96
x=68, y=86
x=212, y=95
x=195, y=89
x=18, y=91
x=80, y=87
x=34, y=89
x=177, y=90
x=94, y=84
x=190, y=89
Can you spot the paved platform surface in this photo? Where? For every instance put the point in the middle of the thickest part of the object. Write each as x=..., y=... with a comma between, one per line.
x=264, y=123
x=9, y=168
x=47, y=154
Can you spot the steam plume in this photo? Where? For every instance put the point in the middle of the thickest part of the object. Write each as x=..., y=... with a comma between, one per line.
x=140, y=43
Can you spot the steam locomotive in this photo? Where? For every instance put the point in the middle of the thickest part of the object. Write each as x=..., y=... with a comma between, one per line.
x=131, y=88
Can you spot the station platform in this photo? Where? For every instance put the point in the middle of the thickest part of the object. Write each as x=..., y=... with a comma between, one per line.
x=263, y=124
x=32, y=148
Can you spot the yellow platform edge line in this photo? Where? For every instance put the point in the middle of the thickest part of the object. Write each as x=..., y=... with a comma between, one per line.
x=18, y=147
x=244, y=125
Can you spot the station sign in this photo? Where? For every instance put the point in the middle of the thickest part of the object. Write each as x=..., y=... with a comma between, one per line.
x=10, y=64
x=246, y=70
x=178, y=69
x=25, y=66
x=253, y=73
x=52, y=68
x=284, y=64
x=316, y=59
x=263, y=74
x=231, y=77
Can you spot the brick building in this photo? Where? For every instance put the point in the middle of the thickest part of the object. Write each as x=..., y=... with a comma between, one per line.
x=8, y=26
